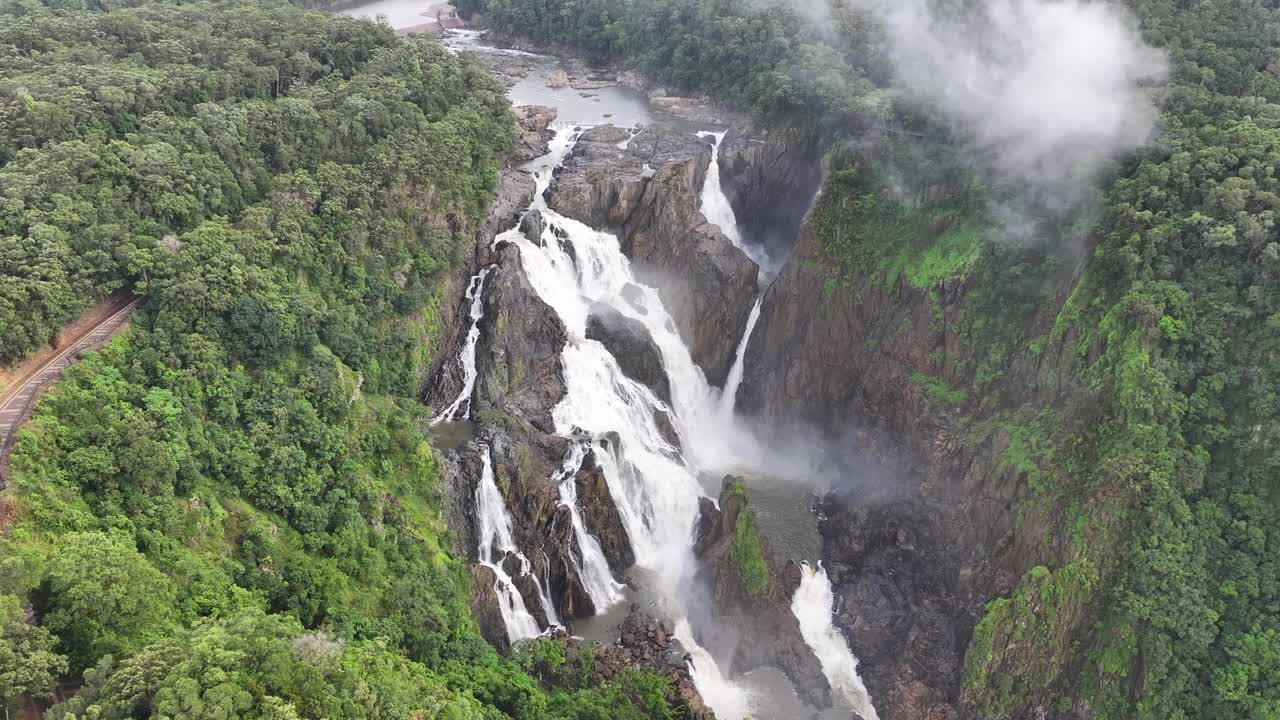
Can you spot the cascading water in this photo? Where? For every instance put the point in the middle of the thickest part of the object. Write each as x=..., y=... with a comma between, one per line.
x=495, y=532
x=467, y=356
x=729, y=397
x=716, y=207
x=813, y=605
x=593, y=568
x=654, y=487
x=655, y=492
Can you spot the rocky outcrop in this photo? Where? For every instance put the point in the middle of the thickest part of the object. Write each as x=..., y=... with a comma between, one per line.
x=484, y=608
x=644, y=643
x=898, y=583
x=629, y=341
x=742, y=598
x=527, y=467
x=534, y=122
x=601, y=516
x=442, y=380
x=518, y=370
x=770, y=181
x=649, y=192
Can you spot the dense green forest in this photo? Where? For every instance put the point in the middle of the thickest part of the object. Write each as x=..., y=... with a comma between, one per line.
x=1163, y=474
x=763, y=57
x=232, y=510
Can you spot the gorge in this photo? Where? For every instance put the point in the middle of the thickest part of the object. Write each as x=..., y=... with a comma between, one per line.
x=643, y=360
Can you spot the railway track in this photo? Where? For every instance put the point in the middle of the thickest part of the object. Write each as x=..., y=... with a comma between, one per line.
x=18, y=401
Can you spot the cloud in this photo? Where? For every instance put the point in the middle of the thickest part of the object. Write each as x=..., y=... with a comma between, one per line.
x=1046, y=91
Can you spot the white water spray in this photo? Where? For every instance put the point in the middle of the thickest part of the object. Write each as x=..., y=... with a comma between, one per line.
x=734, y=380
x=813, y=605
x=467, y=356
x=495, y=531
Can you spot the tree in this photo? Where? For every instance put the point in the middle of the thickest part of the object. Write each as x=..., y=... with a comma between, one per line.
x=29, y=664
x=104, y=597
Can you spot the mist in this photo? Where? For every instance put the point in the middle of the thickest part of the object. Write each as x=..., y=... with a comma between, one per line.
x=1045, y=92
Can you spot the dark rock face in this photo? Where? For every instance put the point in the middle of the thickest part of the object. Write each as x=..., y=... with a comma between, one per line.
x=774, y=637
x=896, y=576
x=484, y=607
x=442, y=379
x=601, y=516
x=651, y=192
x=528, y=468
x=949, y=529
x=770, y=181
x=631, y=344
x=518, y=353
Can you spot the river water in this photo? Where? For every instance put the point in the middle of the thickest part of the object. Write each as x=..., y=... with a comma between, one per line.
x=656, y=491
x=399, y=14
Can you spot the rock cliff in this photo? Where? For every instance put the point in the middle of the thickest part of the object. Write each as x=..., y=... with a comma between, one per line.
x=886, y=365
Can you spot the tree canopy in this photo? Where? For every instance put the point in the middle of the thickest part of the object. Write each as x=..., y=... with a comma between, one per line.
x=232, y=509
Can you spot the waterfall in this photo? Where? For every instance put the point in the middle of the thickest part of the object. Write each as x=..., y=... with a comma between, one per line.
x=655, y=492
x=722, y=695
x=593, y=568
x=731, y=383
x=716, y=207
x=631, y=135
x=475, y=294
x=495, y=531
x=813, y=605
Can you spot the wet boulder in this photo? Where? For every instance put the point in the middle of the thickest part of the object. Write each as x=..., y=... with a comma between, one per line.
x=534, y=122
x=630, y=343
x=601, y=517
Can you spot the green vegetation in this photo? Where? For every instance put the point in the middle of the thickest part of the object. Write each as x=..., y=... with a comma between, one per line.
x=748, y=553
x=938, y=389
x=763, y=57
x=232, y=510
x=869, y=234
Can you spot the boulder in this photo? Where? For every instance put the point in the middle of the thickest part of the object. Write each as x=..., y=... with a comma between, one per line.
x=532, y=224
x=558, y=79
x=601, y=516
x=630, y=343
x=534, y=122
